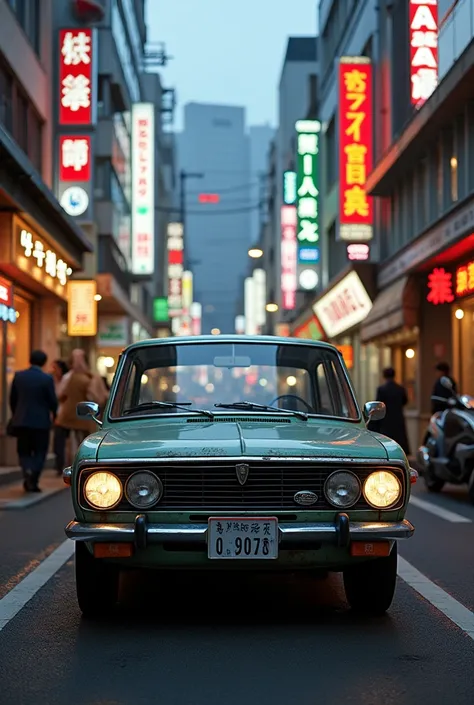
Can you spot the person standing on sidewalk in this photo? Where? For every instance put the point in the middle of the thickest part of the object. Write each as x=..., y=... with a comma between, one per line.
x=58, y=370
x=395, y=398
x=34, y=404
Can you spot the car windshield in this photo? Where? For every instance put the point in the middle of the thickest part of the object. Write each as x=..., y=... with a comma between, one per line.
x=217, y=376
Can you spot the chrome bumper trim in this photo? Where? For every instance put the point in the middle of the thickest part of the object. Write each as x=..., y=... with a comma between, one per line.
x=197, y=533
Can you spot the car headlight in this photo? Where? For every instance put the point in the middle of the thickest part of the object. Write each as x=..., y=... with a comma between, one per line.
x=143, y=489
x=342, y=489
x=382, y=489
x=103, y=490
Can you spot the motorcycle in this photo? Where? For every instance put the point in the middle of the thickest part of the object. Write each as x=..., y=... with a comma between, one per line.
x=447, y=453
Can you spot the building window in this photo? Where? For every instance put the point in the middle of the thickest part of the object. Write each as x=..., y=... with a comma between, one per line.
x=27, y=13
x=6, y=98
x=36, y=140
x=20, y=130
x=439, y=177
x=454, y=178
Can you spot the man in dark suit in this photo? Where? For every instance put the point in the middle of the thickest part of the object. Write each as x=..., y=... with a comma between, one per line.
x=439, y=390
x=34, y=405
x=394, y=397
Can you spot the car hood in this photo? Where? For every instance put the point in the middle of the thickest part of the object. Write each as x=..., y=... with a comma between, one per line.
x=201, y=438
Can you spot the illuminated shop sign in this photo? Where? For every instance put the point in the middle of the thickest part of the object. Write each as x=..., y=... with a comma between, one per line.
x=160, y=309
x=290, y=192
x=289, y=224
x=308, y=203
x=143, y=188
x=7, y=311
x=440, y=287
x=74, y=158
x=465, y=280
x=82, y=308
x=175, y=269
x=310, y=330
x=344, y=306
x=358, y=253
x=423, y=16
x=196, y=318
x=355, y=149
x=42, y=256
x=76, y=77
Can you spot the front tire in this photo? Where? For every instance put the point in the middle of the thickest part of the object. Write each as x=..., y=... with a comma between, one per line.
x=433, y=484
x=370, y=586
x=97, y=583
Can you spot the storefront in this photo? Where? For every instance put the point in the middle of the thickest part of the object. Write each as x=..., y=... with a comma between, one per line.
x=33, y=303
x=340, y=310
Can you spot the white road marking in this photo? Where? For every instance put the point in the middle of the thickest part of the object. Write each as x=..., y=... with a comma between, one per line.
x=436, y=596
x=21, y=594
x=439, y=511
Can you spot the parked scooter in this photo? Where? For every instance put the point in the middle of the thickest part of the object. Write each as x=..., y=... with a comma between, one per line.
x=447, y=454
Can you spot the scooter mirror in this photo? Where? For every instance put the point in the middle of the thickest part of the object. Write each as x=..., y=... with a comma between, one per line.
x=446, y=382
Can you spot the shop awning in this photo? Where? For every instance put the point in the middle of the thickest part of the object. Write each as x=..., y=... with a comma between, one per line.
x=394, y=308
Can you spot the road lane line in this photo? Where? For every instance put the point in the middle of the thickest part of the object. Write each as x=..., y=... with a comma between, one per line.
x=21, y=594
x=439, y=511
x=436, y=596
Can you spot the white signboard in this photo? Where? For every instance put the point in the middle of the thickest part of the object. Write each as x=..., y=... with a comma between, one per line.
x=143, y=188
x=344, y=306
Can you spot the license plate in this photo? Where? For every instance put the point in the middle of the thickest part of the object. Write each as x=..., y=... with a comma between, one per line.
x=245, y=538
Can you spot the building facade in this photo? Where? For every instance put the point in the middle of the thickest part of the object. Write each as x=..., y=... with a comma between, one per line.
x=40, y=246
x=214, y=159
x=424, y=311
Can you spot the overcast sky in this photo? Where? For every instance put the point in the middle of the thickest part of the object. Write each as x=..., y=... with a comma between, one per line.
x=228, y=51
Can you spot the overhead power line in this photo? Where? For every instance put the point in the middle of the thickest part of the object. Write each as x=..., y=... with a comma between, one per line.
x=210, y=212
x=230, y=189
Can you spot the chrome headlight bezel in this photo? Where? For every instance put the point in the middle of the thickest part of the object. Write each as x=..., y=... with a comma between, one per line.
x=394, y=503
x=159, y=483
x=93, y=506
x=345, y=472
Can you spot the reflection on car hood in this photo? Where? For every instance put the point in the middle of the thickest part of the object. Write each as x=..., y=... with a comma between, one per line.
x=200, y=437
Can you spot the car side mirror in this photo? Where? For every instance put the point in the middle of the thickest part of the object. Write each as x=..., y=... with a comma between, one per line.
x=374, y=410
x=446, y=382
x=87, y=410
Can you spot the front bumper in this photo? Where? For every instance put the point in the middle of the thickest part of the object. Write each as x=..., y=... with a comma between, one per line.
x=340, y=533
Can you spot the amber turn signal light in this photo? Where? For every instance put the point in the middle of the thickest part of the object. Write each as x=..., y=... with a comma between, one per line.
x=377, y=549
x=113, y=550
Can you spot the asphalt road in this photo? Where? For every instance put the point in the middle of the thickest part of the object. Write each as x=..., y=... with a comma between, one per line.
x=194, y=641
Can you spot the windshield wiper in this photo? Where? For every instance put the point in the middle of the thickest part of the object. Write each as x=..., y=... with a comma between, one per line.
x=167, y=405
x=249, y=405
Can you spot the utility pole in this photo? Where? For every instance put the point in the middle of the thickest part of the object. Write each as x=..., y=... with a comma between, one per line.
x=183, y=175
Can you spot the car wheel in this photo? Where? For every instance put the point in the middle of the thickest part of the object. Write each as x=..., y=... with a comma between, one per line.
x=97, y=583
x=370, y=586
x=433, y=484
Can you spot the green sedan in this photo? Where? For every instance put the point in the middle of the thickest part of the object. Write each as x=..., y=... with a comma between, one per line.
x=237, y=453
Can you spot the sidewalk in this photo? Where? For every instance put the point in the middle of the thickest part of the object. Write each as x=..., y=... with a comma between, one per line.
x=13, y=474
x=13, y=495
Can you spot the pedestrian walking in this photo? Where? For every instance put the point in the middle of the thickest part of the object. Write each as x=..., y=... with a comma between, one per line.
x=79, y=384
x=34, y=404
x=394, y=396
x=58, y=370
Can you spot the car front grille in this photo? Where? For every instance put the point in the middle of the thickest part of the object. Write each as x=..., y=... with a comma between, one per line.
x=214, y=486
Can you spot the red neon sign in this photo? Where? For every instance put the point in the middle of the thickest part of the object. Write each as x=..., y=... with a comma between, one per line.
x=355, y=149
x=75, y=77
x=74, y=158
x=6, y=295
x=209, y=198
x=440, y=287
x=289, y=247
x=423, y=49
x=465, y=279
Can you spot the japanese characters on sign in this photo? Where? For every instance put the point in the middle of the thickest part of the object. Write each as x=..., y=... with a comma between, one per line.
x=289, y=223
x=76, y=77
x=423, y=16
x=82, y=308
x=355, y=149
x=175, y=269
x=465, y=280
x=74, y=158
x=344, y=306
x=33, y=248
x=143, y=188
x=290, y=194
x=440, y=287
x=307, y=201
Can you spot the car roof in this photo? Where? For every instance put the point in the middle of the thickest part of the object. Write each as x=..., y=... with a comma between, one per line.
x=198, y=339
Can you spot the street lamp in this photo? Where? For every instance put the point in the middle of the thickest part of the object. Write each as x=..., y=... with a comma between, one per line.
x=271, y=308
x=255, y=252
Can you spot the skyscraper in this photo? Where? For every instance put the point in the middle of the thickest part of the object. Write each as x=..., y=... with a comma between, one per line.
x=214, y=144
